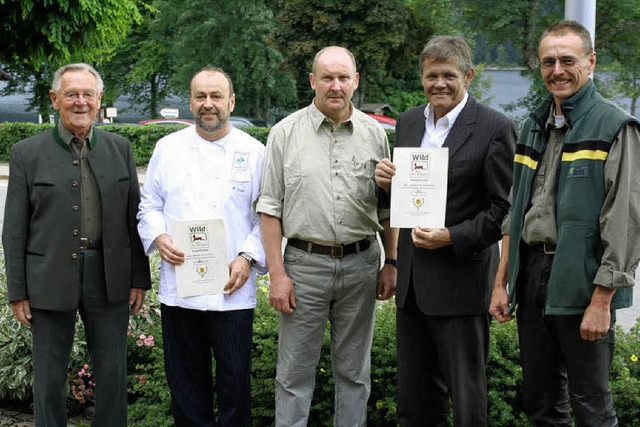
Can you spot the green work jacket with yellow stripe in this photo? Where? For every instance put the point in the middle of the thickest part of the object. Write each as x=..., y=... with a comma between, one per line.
x=594, y=124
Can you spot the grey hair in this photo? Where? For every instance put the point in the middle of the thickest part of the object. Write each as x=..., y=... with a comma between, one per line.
x=447, y=48
x=80, y=66
x=567, y=26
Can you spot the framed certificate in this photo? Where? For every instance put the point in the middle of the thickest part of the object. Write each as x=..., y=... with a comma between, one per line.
x=204, y=270
x=419, y=187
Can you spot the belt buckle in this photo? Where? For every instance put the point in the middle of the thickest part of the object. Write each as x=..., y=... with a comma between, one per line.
x=551, y=249
x=83, y=242
x=337, y=251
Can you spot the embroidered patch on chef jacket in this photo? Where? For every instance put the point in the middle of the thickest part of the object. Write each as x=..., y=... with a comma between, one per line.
x=240, y=160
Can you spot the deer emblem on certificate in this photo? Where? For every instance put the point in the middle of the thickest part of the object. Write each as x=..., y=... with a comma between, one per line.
x=205, y=270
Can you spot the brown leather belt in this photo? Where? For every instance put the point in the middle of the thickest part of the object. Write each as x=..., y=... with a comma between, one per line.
x=336, y=251
x=90, y=244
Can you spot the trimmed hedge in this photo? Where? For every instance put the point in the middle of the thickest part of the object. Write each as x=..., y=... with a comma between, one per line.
x=143, y=138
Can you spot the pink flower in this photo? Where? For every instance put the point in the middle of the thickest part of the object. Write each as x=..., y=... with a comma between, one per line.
x=139, y=343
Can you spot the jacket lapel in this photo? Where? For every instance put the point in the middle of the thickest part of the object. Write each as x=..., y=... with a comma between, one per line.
x=462, y=128
x=417, y=128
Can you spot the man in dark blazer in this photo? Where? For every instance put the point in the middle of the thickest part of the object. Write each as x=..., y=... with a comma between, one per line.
x=445, y=275
x=71, y=244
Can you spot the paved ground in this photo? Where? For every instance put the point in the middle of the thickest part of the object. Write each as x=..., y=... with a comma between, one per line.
x=11, y=418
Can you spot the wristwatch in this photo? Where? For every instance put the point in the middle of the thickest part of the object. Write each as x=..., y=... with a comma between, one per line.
x=246, y=256
x=390, y=261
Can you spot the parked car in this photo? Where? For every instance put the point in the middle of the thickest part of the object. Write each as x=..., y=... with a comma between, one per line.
x=240, y=122
x=167, y=122
x=386, y=121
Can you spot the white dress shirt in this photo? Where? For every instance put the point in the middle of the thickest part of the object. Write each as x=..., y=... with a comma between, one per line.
x=436, y=133
x=189, y=178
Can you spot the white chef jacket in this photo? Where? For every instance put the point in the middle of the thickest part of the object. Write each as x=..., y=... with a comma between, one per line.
x=189, y=178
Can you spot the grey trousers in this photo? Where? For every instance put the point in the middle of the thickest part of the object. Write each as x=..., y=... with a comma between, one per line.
x=343, y=292
x=106, y=332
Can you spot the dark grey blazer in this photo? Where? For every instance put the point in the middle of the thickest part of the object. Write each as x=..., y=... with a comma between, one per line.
x=41, y=236
x=457, y=279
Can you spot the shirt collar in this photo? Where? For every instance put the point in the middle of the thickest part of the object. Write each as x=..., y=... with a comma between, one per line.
x=318, y=119
x=68, y=137
x=451, y=116
x=220, y=142
x=551, y=120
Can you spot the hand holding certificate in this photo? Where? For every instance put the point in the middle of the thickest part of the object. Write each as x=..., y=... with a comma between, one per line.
x=204, y=270
x=419, y=187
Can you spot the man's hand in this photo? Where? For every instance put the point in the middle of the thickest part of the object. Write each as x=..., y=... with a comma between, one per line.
x=499, y=306
x=22, y=311
x=239, y=271
x=136, y=298
x=430, y=238
x=386, y=282
x=385, y=170
x=168, y=252
x=596, y=320
x=281, y=294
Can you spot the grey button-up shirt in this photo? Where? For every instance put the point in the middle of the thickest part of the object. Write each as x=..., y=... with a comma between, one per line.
x=318, y=177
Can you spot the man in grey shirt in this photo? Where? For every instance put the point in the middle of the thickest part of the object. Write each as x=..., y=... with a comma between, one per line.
x=571, y=247
x=318, y=191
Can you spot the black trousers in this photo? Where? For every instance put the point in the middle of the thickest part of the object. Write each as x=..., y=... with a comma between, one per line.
x=559, y=368
x=106, y=332
x=441, y=357
x=190, y=337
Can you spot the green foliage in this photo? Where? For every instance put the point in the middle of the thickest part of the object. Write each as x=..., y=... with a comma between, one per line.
x=10, y=133
x=150, y=402
x=625, y=376
x=239, y=32
x=383, y=35
x=35, y=32
x=15, y=349
x=504, y=376
x=143, y=138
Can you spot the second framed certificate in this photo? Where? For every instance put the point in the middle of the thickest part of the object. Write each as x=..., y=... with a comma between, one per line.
x=205, y=270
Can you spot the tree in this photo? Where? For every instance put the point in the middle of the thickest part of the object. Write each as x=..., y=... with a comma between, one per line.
x=383, y=35
x=35, y=32
x=519, y=22
x=523, y=21
x=234, y=38
x=141, y=66
x=617, y=38
x=37, y=36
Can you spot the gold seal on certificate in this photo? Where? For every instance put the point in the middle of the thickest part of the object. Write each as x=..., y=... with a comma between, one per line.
x=204, y=270
x=419, y=187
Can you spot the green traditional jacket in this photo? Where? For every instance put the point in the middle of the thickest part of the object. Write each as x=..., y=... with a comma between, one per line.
x=594, y=124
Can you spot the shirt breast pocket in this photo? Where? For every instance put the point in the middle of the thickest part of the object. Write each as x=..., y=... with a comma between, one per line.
x=240, y=185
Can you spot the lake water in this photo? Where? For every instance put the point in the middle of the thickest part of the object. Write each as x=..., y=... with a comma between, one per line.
x=508, y=86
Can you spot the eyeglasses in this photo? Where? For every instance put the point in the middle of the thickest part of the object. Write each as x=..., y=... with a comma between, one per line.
x=74, y=96
x=565, y=62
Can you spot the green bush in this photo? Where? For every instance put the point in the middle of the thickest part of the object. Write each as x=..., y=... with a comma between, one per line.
x=150, y=402
x=143, y=138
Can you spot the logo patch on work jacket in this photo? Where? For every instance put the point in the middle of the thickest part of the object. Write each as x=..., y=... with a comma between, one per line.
x=578, y=172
